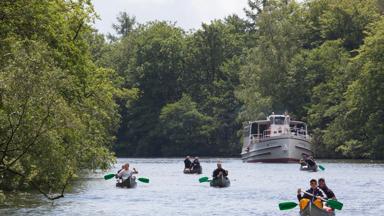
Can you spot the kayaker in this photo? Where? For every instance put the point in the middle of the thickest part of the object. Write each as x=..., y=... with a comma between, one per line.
x=187, y=163
x=126, y=173
x=328, y=192
x=219, y=171
x=196, y=164
x=315, y=199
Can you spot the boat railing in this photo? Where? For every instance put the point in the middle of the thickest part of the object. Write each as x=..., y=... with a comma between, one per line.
x=293, y=131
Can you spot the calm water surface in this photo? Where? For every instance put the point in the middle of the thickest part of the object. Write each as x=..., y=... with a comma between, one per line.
x=256, y=189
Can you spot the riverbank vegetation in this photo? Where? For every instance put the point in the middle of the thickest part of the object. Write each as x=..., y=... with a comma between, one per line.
x=69, y=95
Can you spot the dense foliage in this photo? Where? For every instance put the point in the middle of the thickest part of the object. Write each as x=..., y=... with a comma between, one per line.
x=307, y=58
x=320, y=60
x=57, y=107
x=66, y=91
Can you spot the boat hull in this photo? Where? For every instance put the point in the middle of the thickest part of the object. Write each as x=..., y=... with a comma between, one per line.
x=309, y=168
x=129, y=183
x=312, y=210
x=195, y=171
x=220, y=182
x=279, y=149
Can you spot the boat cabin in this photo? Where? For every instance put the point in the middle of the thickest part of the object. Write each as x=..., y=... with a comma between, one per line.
x=274, y=125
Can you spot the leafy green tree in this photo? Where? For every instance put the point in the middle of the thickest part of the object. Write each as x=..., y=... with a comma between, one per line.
x=58, y=112
x=187, y=131
x=361, y=124
x=212, y=76
x=154, y=67
x=124, y=26
x=264, y=76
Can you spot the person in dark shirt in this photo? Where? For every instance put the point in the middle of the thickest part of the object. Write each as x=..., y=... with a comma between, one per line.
x=122, y=167
x=187, y=163
x=196, y=164
x=219, y=172
x=314, y=190
x=309, y=160
x=328, y=192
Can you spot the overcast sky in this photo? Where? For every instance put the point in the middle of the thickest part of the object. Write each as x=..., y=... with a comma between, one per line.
x=188, y=14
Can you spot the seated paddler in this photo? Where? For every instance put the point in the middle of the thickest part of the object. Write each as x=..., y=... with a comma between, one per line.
x=219, y=171
x=312, y=195
x=187, y=163
x=126, y=173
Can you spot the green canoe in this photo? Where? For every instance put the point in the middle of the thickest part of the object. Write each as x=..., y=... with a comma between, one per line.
x=220, y=182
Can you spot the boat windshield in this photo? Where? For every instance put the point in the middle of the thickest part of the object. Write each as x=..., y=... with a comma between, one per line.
x=279, y=120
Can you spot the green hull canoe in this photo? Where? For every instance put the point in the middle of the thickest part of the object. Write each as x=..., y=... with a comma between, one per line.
x=220, y=182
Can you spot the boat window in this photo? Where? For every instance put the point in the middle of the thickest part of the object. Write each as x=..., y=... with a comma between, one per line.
x=279, y=120
x=254, y=128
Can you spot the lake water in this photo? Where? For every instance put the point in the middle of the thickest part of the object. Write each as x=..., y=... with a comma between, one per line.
x=256, y=189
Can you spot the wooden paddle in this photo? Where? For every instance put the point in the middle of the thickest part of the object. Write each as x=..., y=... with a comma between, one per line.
x=330, y=202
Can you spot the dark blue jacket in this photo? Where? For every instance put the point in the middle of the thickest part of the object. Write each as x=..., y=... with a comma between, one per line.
x=187, y=164
x=328, y=192
x=315, y=192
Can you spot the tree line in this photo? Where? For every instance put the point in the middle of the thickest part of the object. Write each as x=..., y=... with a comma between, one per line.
x=70, y=96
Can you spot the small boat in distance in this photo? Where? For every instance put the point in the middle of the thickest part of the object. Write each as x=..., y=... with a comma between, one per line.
x=277, y=139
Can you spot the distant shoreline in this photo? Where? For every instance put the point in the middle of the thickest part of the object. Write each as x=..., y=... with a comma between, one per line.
x=326, y=160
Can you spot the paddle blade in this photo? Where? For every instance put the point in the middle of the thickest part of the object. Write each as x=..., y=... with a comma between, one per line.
x=321, y=167
x=109, y=176
x=144, y=180
x=287, y=205
x=203, y=179
x=335, y=204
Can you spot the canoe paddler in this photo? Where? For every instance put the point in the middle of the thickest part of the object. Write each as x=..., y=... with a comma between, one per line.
x=328, y=192
x=187, y=163
x=315, y=199
x=126, y=172
x=219, y=171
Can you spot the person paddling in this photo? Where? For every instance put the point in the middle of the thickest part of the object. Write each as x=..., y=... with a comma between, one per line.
x=328, y=192
x=217, y=173
x=308, y=160
x=187, y=163
x=196, y=164
x=122, y=167
x=126, y=173
x=306, y=198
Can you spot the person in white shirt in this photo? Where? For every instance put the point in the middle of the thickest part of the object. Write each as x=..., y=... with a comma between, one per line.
x=126, y=173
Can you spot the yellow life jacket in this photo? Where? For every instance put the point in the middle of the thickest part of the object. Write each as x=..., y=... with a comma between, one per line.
x=304, y=202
